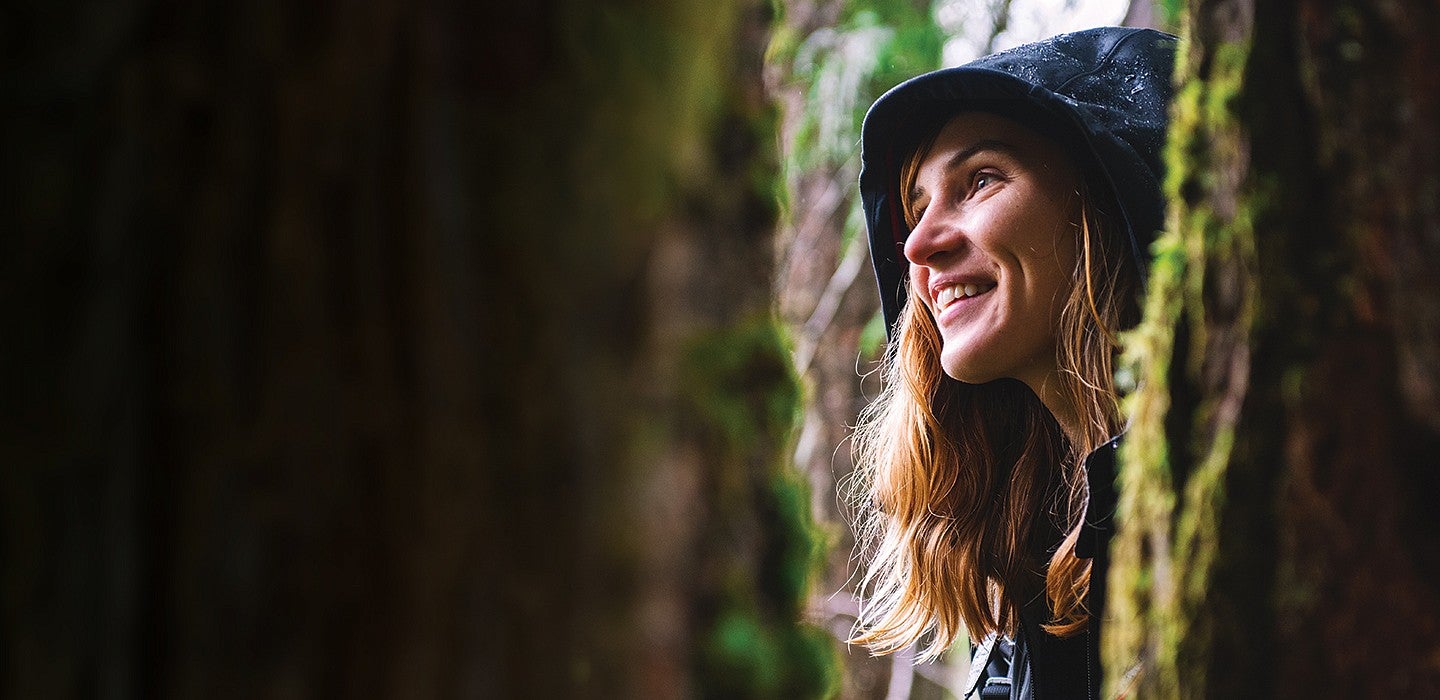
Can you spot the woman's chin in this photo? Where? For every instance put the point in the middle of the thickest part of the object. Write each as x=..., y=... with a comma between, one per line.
x=985, y=362
x=965, y=369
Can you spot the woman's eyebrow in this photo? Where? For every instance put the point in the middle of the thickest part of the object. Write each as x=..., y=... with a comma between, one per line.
x=967, y=153
x=980, y=146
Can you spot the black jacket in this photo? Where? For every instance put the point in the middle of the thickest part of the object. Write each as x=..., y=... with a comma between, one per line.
x=1038, y=665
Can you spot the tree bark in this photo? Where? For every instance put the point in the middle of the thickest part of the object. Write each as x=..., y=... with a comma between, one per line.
x=395, y=350
x=1276, y=538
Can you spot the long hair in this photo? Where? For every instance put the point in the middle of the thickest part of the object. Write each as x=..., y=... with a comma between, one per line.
x=961, y=488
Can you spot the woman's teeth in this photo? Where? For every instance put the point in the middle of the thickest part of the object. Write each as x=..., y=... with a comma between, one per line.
x=960, y=291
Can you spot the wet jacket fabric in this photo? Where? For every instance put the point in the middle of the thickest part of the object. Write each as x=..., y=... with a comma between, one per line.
x=1038, y=664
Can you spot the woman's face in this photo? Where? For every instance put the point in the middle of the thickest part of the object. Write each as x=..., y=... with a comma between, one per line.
x=994, y=248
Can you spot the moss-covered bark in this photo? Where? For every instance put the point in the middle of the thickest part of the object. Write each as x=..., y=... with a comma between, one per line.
x=1193, y=350
x=1272, y=539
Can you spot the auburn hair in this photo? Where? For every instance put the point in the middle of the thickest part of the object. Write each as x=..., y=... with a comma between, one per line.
x=961, y=489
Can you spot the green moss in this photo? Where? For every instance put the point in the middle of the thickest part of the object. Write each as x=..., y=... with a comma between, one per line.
x=814, y=670
x=798, y=545
x=1168, y=543
x=766, y=179
x=1146, y=494
x=1223, y=86
x=741, y=383
x=743, y=658
x=746, y=398
x=746, y=658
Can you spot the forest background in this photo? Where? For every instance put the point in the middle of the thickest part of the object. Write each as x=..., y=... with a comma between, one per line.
x=440, y=349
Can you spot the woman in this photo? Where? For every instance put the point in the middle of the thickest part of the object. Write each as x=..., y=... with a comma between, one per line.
x=1017, y=195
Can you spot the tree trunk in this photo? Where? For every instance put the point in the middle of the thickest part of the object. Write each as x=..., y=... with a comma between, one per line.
x=395, y=350
x=1276, y=536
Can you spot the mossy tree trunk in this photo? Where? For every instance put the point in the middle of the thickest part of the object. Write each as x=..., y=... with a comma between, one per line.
x=1277, y=534
x=395, y=350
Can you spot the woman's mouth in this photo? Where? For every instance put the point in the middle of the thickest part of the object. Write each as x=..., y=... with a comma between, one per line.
x=956, y=292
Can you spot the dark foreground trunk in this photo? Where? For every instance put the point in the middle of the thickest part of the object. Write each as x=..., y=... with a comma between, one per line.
x=394, y=350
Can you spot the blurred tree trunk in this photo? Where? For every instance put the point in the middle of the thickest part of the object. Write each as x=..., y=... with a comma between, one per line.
x=1278, y=535
x=395, y=350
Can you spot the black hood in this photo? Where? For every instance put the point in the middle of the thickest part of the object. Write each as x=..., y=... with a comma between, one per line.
x=1101, y=93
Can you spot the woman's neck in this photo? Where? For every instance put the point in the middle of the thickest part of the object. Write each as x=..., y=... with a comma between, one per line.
x=1062, y=406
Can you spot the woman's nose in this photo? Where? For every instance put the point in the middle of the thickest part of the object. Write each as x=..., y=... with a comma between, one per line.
x=931, y=238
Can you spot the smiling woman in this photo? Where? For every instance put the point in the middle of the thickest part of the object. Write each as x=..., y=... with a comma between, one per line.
x=992, y=208
x=1014, y=196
